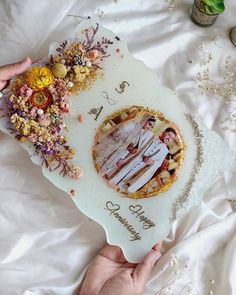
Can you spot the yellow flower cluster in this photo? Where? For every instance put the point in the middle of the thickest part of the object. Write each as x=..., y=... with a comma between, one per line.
x=59, y=70
x=39, y=78
x=53, y=109
x=19, y=103
x=27, y=127
x=80, y=73
x=72, y=50
x=20, y=124
x=67, y=154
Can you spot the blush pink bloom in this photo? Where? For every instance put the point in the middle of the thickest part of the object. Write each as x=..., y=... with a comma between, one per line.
x=59, y=88
x=92, y=54
x=26, y=91
x=33, y=112
x=65, y=107
x=33, y=138
x=76, y=173
x=44, y=120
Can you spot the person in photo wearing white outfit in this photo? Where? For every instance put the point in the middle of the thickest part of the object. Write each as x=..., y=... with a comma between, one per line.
x=137, y=139
x=141, y=169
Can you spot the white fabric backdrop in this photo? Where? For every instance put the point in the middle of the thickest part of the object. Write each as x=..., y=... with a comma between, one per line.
x=45, y=242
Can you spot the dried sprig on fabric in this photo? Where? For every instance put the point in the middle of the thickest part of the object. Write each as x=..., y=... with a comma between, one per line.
x=224, y=86
x=172, y=4
x=174, y=271
x=205, y=49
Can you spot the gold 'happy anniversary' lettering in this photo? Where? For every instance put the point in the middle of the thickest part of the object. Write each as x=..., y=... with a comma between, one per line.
x=139, y=213
x=113, y=209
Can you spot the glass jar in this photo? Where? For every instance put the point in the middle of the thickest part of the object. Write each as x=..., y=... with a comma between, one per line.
x=200, y=17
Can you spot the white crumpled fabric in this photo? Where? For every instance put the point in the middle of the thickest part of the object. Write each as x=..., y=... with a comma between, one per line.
x=46, y=244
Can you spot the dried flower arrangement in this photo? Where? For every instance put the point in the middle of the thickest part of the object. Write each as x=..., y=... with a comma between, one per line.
x=36, y=102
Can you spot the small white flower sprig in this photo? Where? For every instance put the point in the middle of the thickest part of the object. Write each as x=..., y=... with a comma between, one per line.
x=172, y=4
x=225, y=86
x=222, y=87
x=205, y=49
x=173, y=272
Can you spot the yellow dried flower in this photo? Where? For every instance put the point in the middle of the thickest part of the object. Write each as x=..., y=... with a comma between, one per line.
x=25, y=129
x=80, y=73
x=14, y=118
x=20, y=124
x=22, y=139
x=18, y=83
x=53, y=109
x=59, y=70
x=39, y=78
x=74, y=49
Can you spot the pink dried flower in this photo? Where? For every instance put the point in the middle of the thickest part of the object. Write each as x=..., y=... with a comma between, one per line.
x=26, y=91
x=44, y=120
x=75, y=172
x=59, y=88
x=81, y=118
x=33, y=112
x=92, y=54
x=33, y=137
x=65, y=107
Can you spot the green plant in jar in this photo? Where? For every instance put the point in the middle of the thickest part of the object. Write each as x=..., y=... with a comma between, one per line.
x=214, y=6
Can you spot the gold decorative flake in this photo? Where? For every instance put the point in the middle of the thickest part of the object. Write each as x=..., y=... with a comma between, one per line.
x=184, y=197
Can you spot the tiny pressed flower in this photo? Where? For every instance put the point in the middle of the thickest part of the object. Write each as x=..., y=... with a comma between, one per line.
x=76, y=173
x=33, y=112
x=81, y=118
x=65, y=107
x=92, y=54
x=22, y=139
x=44, y=120
x=33, y=138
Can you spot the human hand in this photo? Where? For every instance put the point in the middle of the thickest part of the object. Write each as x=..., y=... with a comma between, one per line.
x=111, y=274
x=147, y=160
x=9, y=71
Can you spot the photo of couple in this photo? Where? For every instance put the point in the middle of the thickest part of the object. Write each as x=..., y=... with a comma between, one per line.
x=138, y=152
